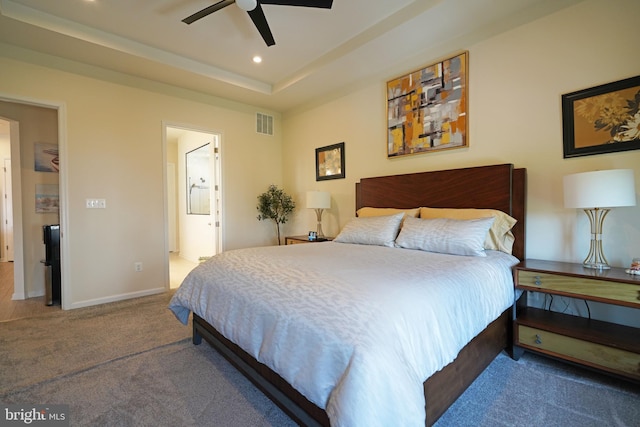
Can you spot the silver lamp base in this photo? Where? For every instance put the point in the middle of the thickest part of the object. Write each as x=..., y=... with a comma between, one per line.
x=319, y=228
x=596, y=259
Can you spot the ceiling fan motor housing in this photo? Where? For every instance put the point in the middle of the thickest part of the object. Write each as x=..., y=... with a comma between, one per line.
x=247, y=5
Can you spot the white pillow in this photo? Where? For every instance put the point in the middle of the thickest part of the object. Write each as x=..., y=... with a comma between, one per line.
x=500, y=237
x=376, y=230
x=445, y=235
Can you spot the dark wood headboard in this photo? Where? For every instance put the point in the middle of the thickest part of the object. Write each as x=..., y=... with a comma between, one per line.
x=499, y=187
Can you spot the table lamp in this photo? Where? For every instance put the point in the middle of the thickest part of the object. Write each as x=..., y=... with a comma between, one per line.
x=596, y=192
x=318, y=200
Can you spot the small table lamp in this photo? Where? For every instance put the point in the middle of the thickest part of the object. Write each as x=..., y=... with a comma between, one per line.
x=595, y=192
x=319, y=200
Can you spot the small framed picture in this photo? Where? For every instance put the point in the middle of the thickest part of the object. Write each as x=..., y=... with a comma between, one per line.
x=602, y=119
x=47, y=198
x=330, y=162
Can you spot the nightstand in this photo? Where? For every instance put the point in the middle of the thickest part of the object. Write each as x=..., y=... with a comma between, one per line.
x=604, y=346
x=292, y=240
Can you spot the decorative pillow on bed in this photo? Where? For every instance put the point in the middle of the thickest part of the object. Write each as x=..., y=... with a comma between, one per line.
x=500, y=237
x=367, y=212
x=375, y=230
x=444, y=235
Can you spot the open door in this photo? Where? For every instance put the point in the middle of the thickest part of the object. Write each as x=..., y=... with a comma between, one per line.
x=19, y=292
x=195, y=204
x=7, y=214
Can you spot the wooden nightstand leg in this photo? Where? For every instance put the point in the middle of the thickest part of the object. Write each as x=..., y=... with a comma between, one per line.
x=516, y=352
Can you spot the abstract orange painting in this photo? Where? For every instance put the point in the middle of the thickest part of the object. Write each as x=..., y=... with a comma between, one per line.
x=427, y=109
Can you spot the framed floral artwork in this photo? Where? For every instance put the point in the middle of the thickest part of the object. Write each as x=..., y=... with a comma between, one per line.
x=602, y=119
x=427, y=108
x=330, y=162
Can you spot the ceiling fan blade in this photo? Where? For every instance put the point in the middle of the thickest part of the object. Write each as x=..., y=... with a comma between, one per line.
x=324, y=4
x=207, y=11
x=259, y=20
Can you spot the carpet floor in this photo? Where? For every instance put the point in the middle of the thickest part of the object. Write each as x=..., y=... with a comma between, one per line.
x=133, y=364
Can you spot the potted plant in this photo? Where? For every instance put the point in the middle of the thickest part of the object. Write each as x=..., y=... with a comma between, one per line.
x=275, y=204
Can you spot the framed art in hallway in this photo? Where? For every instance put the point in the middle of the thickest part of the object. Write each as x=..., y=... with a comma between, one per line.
x=46, y=157
x=427, y=108
x=602, y=119
x=47, y=198
x=330, y=162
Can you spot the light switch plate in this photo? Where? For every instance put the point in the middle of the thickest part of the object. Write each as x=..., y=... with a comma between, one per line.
x=96, y=203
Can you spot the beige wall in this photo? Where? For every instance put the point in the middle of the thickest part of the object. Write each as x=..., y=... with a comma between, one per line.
x=516, y=80
x=114, y=150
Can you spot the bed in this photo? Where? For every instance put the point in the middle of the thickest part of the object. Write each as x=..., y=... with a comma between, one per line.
x=308, y=387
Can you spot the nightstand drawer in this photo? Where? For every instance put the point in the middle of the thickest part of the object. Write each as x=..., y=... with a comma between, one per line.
x=294, y=241
x=599, y=290
x=596, y=355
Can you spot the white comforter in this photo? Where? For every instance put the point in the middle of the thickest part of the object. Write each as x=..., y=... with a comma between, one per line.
x=356, y=329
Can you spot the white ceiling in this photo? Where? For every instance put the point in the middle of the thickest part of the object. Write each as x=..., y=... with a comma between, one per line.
x=318, y=53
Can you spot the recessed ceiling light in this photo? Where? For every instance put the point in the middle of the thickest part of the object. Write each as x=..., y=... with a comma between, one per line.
x=257, y=59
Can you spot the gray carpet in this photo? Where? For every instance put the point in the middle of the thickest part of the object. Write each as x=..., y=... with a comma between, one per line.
x=537, y=391
x=132, y=363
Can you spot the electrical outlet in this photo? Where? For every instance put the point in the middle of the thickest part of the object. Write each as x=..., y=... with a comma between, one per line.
x=137, y=266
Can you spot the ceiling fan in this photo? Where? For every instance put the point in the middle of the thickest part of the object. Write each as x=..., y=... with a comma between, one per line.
x=254, y=9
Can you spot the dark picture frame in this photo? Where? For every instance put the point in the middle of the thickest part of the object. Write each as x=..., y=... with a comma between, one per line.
x=330, y=162
x=427, y=108
x=602, y=119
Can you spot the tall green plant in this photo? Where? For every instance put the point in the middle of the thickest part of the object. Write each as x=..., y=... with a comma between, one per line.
x=275, y=204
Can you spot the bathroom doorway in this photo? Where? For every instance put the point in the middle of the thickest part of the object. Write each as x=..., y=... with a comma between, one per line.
x=194, y=202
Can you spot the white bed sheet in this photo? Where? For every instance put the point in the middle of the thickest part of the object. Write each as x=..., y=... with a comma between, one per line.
x=356, y=329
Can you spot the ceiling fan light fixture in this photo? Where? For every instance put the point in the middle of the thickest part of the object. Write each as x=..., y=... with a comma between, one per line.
x=247, y=5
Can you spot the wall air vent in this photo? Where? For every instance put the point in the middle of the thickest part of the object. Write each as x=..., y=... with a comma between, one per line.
x=264, y=124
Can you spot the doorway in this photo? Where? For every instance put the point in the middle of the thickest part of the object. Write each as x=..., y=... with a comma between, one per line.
x=6, y=195
x=33, y=127
x=193, y=189
x=11, y=235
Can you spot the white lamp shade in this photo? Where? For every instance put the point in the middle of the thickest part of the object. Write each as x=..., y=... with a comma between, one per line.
x=318, y=200
x=600, y=189
x=247, y=5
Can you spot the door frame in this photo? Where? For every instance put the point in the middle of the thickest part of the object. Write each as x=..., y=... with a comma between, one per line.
x=16, y=177
x=217, y=211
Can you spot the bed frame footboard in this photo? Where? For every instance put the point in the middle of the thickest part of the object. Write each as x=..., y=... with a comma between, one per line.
x=445, y=386
x=294, y=404
x=440, y=390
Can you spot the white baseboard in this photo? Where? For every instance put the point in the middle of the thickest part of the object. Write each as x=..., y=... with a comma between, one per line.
x=18, y=296
x=114, y=298
x=35, y=294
